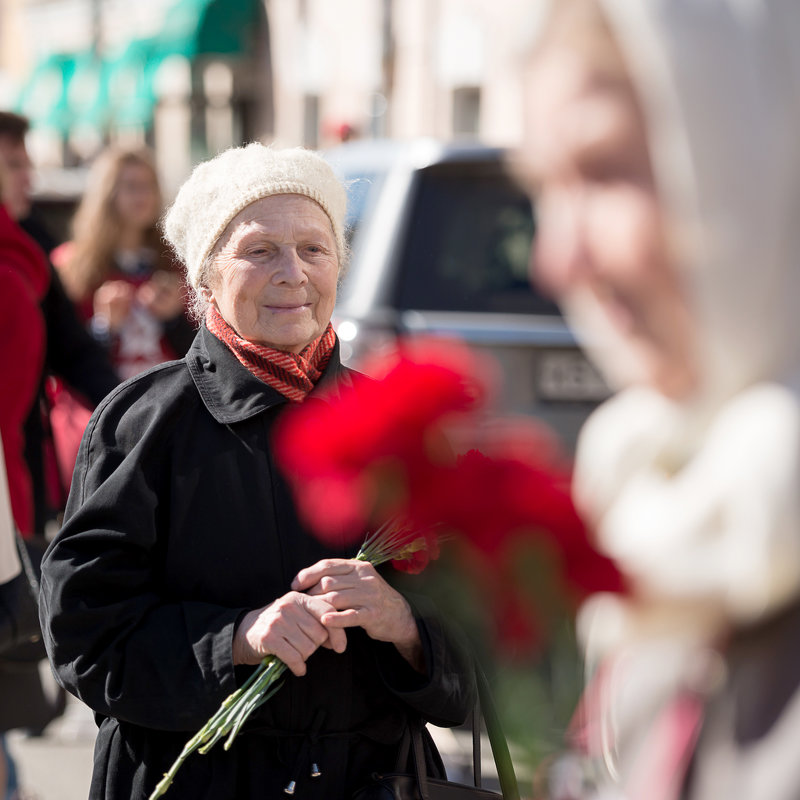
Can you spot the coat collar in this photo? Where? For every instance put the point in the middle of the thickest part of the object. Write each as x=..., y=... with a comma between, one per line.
x=231, y=393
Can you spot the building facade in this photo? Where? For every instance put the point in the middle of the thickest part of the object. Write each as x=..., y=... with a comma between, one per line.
x=191, y=77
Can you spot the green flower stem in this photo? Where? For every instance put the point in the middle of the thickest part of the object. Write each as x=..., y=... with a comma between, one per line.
x=384, y=545
x=230, y=716
x=381, y=546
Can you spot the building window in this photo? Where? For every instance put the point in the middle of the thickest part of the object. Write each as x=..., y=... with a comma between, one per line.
x=466, y=111
x=311, y=121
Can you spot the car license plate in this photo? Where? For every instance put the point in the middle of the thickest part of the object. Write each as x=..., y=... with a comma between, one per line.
x=568, y=375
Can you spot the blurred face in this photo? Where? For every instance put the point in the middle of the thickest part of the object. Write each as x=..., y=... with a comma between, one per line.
x=16, y=177
x=275, y=274
x=600, y=236
x=136, y=199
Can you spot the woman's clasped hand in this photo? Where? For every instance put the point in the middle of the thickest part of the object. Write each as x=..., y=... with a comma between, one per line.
x=327, y=598
x=289, y=628
x=360, y=596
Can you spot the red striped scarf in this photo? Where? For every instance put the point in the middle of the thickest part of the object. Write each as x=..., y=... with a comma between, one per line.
x=292, y=374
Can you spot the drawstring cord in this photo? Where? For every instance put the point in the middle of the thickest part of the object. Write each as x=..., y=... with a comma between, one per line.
x=307, y=752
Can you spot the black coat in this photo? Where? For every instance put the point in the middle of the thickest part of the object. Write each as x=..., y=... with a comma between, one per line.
x=178, y=522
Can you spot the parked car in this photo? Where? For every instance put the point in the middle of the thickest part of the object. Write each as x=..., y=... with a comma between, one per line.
x=440, y=238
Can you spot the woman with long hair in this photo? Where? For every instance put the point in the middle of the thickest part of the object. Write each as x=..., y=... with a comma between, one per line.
x=117, y=269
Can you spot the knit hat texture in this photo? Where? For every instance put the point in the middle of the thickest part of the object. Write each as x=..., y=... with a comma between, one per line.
x=218, y=189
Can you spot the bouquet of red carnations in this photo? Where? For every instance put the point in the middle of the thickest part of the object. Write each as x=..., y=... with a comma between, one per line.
x=418, y=443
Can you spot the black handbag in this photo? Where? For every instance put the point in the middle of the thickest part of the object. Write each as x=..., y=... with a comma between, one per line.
x=418, y=786
x=20, y=634
x=29, y=696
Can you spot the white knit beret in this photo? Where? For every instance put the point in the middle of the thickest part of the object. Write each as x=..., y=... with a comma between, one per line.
x=218, y=189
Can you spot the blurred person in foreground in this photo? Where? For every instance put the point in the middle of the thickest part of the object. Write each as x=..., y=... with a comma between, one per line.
x=118, y=270
x=70, y=354
x=662, y=150
x=182, y=561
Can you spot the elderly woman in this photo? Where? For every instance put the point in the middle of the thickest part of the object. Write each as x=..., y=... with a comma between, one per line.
x=182, y=561
x=663, y=151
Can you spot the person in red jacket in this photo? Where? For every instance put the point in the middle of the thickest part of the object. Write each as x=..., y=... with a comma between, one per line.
x=24, y=279
x=72, y=357
x=23, y=282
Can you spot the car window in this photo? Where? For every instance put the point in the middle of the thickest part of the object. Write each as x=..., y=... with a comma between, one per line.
x=468, y=244
x=362, y=188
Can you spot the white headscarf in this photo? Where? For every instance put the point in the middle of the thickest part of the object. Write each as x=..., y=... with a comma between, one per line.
x=700, y=502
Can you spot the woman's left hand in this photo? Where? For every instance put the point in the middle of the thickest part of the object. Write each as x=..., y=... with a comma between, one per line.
x=363, y=598
x=163, y=295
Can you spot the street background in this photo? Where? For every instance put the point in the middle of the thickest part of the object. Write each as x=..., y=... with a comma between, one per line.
x=192, y=77
x=188, y=78
x=58, y=764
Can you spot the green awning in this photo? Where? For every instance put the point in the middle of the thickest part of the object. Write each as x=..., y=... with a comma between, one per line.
x=67, y=92
x=191, y=28
x=130, y=84
x=44, y=99
x=209, y=27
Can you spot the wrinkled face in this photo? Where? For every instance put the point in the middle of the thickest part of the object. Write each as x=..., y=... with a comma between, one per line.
x=600, y=235
x=136, y=197
x=16, y=177
x=275, y=272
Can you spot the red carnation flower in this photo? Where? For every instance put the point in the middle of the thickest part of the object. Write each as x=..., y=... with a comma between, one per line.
x=363, y=446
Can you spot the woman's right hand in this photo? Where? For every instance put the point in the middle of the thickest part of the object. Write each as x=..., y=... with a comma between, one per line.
x=112, y=302
x=288, y=628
